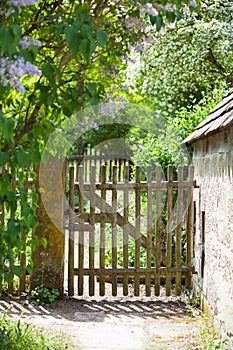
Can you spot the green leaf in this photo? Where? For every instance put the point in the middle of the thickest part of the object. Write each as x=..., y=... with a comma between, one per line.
x=87, y=47
x=87, y=30
x=11, y=196
x=91, y=87
x=69, y=34
x=84, y=48
x=17, y=31
x=7, y=125
x=34, y=243
x=170, y=16
x=23, y=158
x=26, y=211
x=48, y=71
x=10, y=38
x=17, y=270
x=159, y=22
x=4, y=186
x=44, y=242
x=31, y=221
x=29, y=269
x=13, y=229
x=152, y=19
x=92, y=47
x=102, y=37
x=72, y=38
x=4, y=157
x=178, y=14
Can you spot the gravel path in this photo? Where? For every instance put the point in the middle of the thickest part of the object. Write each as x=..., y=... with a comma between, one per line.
x=156, y=323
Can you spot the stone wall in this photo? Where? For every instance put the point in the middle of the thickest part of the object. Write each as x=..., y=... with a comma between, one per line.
x=213, y=161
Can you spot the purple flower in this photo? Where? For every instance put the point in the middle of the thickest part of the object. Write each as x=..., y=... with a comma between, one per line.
x=11, y=71
x=21, y=3
x=17, y=4
x=92, y=124
x=26, y=42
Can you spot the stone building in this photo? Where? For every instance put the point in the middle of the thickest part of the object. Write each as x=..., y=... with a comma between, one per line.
x=212, y=142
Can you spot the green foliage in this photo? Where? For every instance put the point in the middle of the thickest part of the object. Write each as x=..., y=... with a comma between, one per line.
x=78, y=49
x=166, y=148
x=43, y=295
x=210, y=337
x=186, y=60
x=16, y=336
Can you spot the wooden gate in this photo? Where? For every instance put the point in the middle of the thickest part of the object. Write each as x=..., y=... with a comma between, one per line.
x=131, y=232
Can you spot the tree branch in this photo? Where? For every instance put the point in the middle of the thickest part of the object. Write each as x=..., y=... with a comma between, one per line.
x=212, y=59
x=26, y=128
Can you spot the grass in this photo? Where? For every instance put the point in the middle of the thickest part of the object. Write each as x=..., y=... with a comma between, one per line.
x=15, y=335
x=210, y=338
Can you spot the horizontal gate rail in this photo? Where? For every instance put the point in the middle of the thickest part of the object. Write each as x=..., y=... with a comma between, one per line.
x=132, y=271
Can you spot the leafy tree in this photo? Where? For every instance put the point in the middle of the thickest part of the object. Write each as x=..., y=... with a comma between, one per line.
x=187, y=60
x=56, y=57
x=167, y=148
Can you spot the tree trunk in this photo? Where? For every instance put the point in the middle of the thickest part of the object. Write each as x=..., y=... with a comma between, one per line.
x=48, y=262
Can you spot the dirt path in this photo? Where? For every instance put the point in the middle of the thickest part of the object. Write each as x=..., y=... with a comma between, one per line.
x=115, y=323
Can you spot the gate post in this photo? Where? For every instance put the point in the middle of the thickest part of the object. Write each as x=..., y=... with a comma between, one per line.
x=48, y=262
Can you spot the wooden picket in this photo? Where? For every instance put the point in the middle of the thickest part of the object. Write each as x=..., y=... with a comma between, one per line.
x=166, y=237
x=8, y=263
x=98, y=158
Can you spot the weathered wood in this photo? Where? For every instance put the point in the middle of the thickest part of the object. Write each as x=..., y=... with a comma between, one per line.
x=71, y=233
x=149, y=230
x=189, y=230
x=173, y=272
x=125, y=230
x=12, y=216
x=102, y=232
x=120, y=218
x=23, y=237
x=137, y=231
x=2, y=220
x=92, y=234
x=81, y=234
x=142, y=271
x=114, y=230
x=169, y=231
x=143, y=185
x=180, y=205
x=158, y=231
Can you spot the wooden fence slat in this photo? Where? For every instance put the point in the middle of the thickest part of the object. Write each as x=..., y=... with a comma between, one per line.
x=189, y=230
x=71, y=233
x=158, y=230
x=114, y=231
x=2, y=220
x=81, y=232
x=11, y=254
x=125, y=230
x=149, y=230
x=180, y=204
x=23, y=237
x=92, y=234
x=169, y=230
x=138, y=231
x=102, y=231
